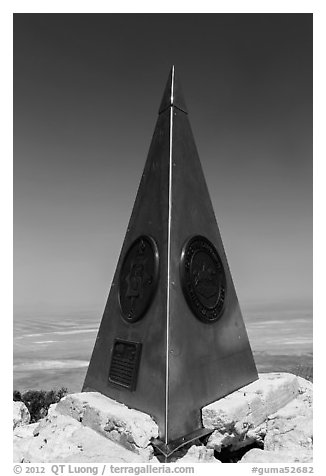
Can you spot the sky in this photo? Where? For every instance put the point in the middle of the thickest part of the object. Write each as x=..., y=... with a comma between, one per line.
x=87, y=89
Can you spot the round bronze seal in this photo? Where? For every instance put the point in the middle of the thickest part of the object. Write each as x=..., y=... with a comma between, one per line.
x=138, y=278
x=203, y=279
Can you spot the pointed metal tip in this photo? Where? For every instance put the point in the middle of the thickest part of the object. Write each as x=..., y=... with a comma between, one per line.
x=173, y=95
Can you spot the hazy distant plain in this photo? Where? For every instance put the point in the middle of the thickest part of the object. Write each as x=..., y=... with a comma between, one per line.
x=55, y=352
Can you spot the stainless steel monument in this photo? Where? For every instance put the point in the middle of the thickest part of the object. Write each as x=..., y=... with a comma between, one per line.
x=172, y=337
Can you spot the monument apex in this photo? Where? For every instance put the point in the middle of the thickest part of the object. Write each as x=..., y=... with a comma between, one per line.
x=173, y=95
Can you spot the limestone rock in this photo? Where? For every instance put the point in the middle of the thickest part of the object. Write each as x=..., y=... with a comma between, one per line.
x=252, y=403
x=239, y=418
x=291, y=427
x=305, y=391
x=289, y=432
x=22, y=434
x=198, y=454
x=236, y=439
x=195, y=452
x=130, y=428
x=25, y=430
x=60, y=438
x=275, y=411
x=21, y=414
x=52, y=409
x=257, y=455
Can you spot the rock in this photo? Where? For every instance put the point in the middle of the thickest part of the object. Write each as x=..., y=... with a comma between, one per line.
x=21, y=435
x=25, y=430
x=61, y=439
x=130, y=428
x=275, y=411
x=295, y=433
x=239, y=418
x=52, y=409
x=235, y=439
x=257, y=455
x=21, y=414
x=198, y=454
x=305, y=391
x=252, y=403
x=290, y=428
x=289, y=432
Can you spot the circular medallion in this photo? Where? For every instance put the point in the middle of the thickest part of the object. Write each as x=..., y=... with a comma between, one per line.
x=203, y=279
x=138, y=278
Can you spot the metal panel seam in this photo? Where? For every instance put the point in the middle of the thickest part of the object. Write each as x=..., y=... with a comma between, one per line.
x=168, y=267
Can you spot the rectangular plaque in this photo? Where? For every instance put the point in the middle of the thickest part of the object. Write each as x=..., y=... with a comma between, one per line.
x=124, y=363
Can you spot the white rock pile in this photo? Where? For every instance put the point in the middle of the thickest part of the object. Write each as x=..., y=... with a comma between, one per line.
x=274, y=414
x=21, y=414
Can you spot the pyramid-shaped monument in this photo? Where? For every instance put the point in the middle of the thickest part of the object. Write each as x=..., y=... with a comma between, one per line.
x=172, y=338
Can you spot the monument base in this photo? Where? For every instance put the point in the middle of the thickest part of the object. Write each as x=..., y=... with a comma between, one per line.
x=229, y=420
x=272, y=415
x=168, y=449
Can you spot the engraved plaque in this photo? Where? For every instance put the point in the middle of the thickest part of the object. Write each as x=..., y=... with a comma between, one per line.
x=203, y=279
x=138, y=278
x=124, y=363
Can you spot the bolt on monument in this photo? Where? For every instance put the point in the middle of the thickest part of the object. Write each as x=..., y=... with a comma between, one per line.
x=172, y=338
